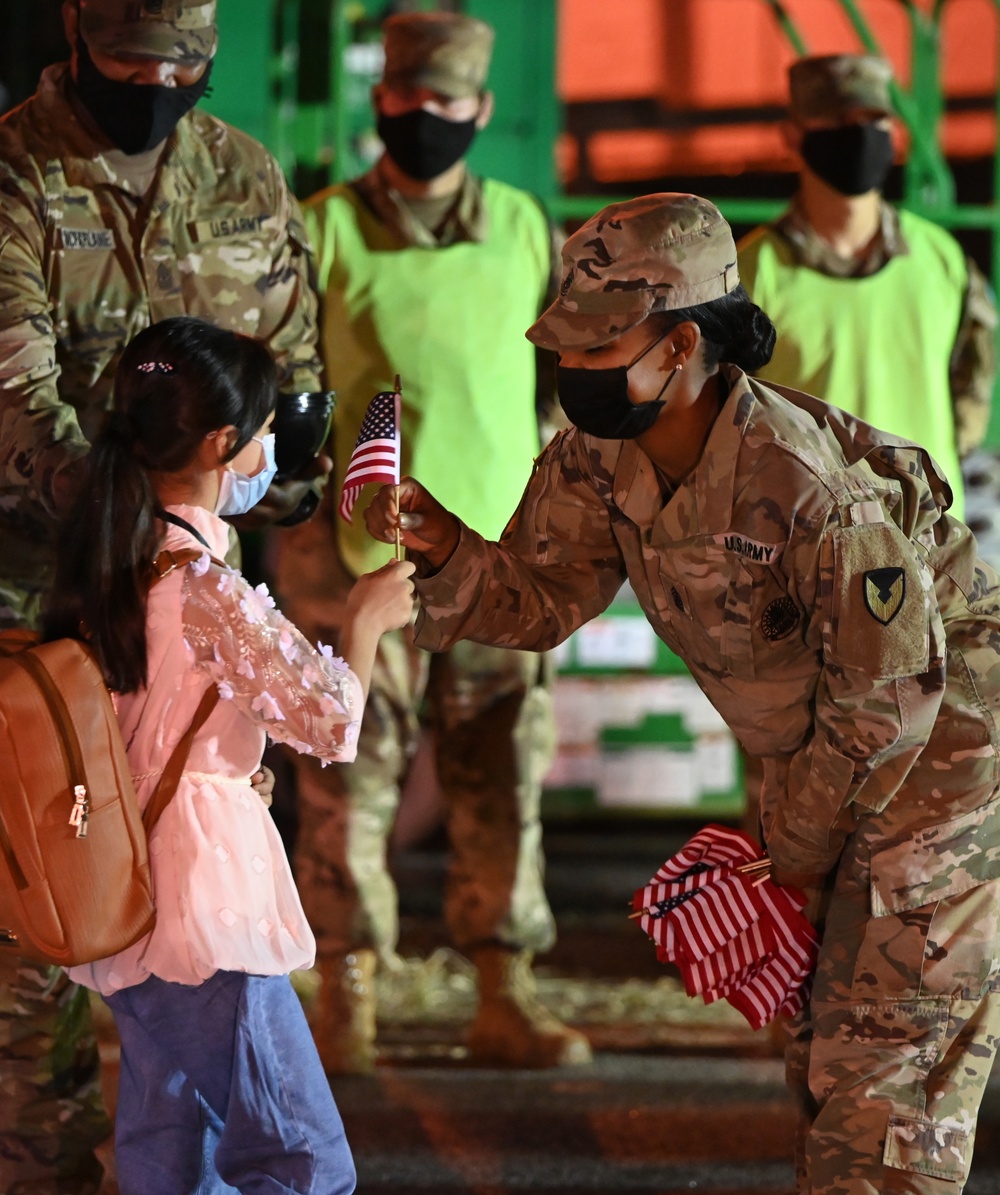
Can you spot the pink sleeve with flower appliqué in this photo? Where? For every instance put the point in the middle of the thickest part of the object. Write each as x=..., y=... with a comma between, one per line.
x=299, y=694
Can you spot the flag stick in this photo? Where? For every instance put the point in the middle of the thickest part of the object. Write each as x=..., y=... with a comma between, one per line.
x=399, y=542
x=759, y=870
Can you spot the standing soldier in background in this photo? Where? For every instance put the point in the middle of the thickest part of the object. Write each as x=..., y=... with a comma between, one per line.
x=120, y=205
x=431, y=273
x=877, y=310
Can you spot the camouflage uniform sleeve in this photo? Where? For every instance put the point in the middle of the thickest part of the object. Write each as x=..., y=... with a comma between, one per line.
x=289, y=324
x=878, y=631
x=973, y=366
x=557, y=565
x=40, y=436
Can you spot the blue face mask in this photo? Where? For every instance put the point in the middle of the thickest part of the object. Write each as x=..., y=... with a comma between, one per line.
x=239, y=493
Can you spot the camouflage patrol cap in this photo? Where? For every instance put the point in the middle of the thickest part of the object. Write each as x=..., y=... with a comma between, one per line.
x=656, y=253
x=833, y=85
x=176, y=30
x=444, y=51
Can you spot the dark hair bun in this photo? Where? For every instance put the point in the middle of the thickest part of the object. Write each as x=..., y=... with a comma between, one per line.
x=753, y=344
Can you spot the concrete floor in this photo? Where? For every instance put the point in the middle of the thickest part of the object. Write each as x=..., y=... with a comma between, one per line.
x=629, y=1123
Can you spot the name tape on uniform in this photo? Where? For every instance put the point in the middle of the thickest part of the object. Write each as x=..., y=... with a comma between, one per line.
x=87, y=238
x=751, y=549
x=223, y=227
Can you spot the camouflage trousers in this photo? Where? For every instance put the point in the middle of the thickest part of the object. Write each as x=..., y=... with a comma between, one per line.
x=51, y=1112
x=490, y=713
x=20, y=605
x=891, y=1061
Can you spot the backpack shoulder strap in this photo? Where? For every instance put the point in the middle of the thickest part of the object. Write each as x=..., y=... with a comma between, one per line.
x=168, y=560
x=171, y=776
x=164, y=564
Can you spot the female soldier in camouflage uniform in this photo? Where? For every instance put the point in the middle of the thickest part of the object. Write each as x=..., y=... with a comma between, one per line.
x=804, y=566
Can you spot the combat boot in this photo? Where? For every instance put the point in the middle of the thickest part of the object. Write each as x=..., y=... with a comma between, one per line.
x=343, y=1017
x=512, y=1028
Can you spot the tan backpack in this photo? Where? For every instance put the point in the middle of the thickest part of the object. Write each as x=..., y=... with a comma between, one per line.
x=74, y=870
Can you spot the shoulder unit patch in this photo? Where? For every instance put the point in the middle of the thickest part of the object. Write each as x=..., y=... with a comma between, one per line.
x=884, y=590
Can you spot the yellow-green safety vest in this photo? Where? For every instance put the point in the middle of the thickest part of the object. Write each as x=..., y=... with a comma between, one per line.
x=451, y=322
x=878, y=347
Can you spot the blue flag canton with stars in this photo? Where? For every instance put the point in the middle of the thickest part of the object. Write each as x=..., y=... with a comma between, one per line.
x=380, y=419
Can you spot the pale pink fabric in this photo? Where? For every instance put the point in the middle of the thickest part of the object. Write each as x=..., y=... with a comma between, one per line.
x=225, y=898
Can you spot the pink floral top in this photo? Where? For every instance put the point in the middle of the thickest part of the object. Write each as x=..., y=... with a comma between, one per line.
x=225, y=898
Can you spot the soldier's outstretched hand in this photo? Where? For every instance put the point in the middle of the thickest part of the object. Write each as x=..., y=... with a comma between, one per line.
x=424, y=524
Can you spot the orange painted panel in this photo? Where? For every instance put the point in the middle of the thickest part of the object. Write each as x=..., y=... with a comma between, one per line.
x=732, y=53
x=610, y=49
x=685, y=50
x=826, y=29
x=719, y=149
x=970, y=135
x=970, y=33
x=724, y=54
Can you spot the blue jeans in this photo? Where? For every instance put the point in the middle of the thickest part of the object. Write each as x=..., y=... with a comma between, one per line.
x=226, y=1068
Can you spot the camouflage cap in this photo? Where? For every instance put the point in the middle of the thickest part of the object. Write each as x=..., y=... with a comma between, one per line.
x=444, y=51
x=176, y=30
x=833, y=85
x=655, y=253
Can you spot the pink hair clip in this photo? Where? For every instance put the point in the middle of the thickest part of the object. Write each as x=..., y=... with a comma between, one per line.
x=155, y=366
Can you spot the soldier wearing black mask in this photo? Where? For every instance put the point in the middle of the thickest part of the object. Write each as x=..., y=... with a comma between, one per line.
x=137, y=116
x=424, y=268
x=133, y=90
x=121, y=203
x=877, y=310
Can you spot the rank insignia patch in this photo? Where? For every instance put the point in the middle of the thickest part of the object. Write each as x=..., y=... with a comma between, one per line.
x=779, y=619
x=884, y=589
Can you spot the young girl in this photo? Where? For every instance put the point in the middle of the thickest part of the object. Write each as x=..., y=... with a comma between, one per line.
x=220, y=1082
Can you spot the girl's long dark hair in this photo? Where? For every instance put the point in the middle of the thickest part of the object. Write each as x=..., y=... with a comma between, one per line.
x=177, y=381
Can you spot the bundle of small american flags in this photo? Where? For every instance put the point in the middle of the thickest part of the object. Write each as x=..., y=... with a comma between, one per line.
x=734, y=934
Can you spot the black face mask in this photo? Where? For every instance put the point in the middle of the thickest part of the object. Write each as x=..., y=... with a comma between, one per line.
x=424, y=145
x=597, y=402
x=853, y=159
x=135, y=116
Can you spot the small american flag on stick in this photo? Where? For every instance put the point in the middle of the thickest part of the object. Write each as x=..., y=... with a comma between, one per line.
x=376, y=454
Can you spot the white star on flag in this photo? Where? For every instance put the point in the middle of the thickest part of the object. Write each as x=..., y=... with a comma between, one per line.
x=376, y=454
